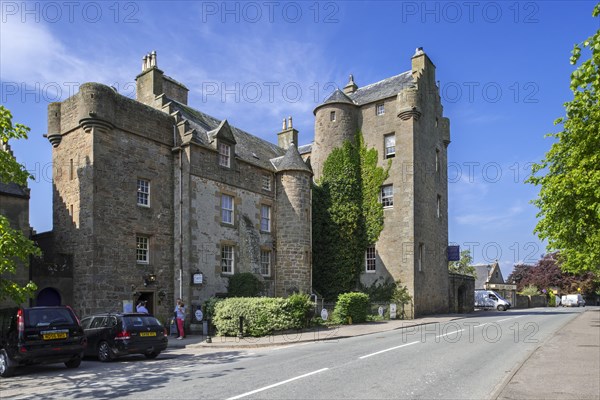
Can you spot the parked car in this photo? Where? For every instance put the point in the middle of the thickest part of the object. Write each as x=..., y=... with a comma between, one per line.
x=490, y=299
x=39, y=335
x=114, y=335
x=573, y=300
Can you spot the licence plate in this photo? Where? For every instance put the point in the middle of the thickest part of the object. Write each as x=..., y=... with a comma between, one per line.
x=53, y=336
x=147, y=333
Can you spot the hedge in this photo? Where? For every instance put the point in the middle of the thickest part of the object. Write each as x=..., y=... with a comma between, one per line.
x=262, y=315
x=351, y=305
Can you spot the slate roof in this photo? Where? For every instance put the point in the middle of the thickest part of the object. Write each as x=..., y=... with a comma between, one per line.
x=291, y=161
x=249, y=148
x=383, y=89
x=305, y=148
x=338, y=97
x=12, y=189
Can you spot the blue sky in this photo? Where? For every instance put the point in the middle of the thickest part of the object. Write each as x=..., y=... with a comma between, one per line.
x=503, y=69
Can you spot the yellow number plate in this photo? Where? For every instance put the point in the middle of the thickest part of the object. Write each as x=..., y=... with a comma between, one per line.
x=52, y=336
x=147, y=333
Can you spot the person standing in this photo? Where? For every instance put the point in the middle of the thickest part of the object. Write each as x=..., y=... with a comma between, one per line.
x=141, y=307
x=180, y=316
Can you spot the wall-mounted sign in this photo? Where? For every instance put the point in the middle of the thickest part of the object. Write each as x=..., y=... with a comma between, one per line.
x=198, y=278
x=453, y=253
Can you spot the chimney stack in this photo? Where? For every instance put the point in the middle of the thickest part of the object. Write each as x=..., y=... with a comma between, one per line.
x=288, y=134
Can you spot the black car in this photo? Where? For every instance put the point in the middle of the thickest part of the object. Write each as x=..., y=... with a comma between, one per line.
x=114, y=335
x=39, y=335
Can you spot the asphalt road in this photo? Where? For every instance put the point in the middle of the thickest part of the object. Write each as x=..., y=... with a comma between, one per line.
x=465, y=359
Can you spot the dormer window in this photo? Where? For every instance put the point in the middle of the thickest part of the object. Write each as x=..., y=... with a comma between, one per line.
x=224, y=155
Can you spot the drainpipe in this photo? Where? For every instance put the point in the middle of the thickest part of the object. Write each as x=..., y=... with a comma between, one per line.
x=180, y=217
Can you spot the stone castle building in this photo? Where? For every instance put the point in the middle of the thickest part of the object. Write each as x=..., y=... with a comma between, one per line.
x=155, y=200
x=401, y=117
x=14, y=206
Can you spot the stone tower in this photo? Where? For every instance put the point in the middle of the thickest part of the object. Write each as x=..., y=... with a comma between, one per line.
x=401, y=117
x=336, y=120
x=293, y=225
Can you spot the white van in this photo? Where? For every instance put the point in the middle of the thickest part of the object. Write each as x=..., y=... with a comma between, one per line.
x=488, y=299
x=572, y=300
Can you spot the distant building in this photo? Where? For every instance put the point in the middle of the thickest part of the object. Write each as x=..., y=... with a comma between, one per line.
x=489, y=276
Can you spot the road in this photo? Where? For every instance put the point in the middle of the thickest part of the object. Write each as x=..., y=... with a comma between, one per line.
x=468, y=358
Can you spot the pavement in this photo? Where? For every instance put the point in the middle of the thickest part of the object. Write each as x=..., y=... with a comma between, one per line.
x=565, y=366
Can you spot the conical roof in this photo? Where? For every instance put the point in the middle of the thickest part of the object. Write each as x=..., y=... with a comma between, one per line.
x=292, y=161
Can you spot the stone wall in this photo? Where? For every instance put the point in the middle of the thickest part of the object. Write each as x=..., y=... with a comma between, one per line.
x=461, y=289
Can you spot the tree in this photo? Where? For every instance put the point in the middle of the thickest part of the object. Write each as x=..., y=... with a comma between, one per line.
x=569, y=198
x=347, y=216
x=463, y=266
x=547, y=274
x=15, y=248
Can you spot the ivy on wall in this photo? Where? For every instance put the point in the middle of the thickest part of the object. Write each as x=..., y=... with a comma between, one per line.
x=347, y=216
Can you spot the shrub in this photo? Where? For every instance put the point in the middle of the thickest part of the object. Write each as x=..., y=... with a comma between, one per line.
x=262, y=315
x=353, y=305
x=244, y=284
x=379, y=291
x=209, y=307
x=530, y=290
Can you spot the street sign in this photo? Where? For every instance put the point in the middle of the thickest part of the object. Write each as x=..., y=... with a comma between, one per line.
x=324, y=314
x=392, y=311
x=453, y=253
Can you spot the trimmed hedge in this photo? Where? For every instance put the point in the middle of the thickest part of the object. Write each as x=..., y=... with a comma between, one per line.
x=353, y=305
x=262, y=315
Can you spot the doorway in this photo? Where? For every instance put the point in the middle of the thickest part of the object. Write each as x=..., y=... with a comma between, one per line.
x=48, y=297
x=148, y=297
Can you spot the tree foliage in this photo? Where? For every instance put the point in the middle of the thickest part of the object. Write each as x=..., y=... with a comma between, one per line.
x=569, y=175
x=547, y=274
x=347, y=216
x=463, y=266
x=15, y=248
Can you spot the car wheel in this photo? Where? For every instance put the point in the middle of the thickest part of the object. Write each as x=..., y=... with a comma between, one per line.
x=104, y=352
x=501, y=308
x=152, y=355
x=6, y=365
x=74, y=362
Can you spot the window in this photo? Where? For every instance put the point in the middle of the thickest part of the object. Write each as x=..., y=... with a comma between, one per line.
x=390, y=145
x=71, y=170
x=437, y=161
x=380, y=109
x=265, y=218
x=227, y=259
x=226, y=209
x=143, y=192
x=420, y=260
x=266, y=182
x=370, y=259
x=387, y=195
x=332, y=116
x=224, y=155
x=142, y=255
x=265, y=262
x=439, y=206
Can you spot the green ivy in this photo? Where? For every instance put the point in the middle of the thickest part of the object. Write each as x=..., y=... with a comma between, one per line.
x=347, y=216
x=244, y=284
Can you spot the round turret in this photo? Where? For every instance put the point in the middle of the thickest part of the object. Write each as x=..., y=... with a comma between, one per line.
x=336, y=120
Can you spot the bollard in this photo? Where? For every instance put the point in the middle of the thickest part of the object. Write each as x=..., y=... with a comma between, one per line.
x=241, y=332
x=208, y=338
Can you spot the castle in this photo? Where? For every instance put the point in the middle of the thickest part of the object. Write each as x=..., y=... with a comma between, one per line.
x=155, y=200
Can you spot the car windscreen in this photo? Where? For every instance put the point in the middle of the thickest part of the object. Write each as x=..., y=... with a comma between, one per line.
x=48, y=317
x=134, y=321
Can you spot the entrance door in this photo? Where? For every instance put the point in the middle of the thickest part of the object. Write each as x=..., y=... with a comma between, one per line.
x=48, y=297
x=149, y=298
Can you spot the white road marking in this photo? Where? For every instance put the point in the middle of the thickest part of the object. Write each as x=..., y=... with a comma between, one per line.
x=277, y=384
x=449, y=333
x=386, y=350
